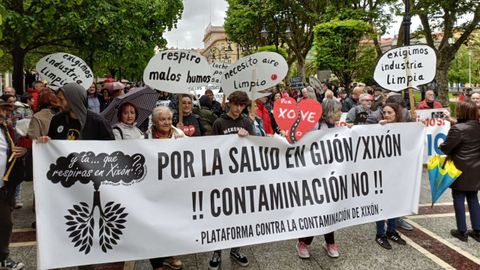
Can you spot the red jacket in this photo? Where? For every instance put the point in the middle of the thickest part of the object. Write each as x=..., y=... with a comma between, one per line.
x=35, y=95
x=262, y=113
x=424, y=106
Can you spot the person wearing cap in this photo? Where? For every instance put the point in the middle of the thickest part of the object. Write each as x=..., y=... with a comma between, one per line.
x=379, y=98
x=8, y=169
x=363, y=113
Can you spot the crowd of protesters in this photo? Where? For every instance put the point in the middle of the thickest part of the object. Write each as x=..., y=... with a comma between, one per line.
x=72, y=113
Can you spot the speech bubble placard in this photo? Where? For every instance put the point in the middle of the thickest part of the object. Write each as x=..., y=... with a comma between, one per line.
x=61, y=68
x=404, y=67
x=218, y=68
x=296, y=118
x=254, y=73
x=175, y=71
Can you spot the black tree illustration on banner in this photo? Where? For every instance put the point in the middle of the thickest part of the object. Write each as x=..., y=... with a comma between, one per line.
x=86, y=167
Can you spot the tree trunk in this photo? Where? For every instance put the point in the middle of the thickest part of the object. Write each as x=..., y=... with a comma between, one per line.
x=346, y=79
x=113, y=72
x=91, y=60
x=376, y=37
x=444, y=59
x=290, y=61
x=18, y=55
x=401, y=36
x=301, y=67
x=442, y=82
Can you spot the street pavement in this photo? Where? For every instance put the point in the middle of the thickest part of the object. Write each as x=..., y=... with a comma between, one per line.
x=429, y=245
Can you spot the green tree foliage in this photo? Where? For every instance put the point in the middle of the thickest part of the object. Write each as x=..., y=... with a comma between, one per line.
x=456, y=19
x=32, y=24
x=2, y=17
x=366, y=59
x=115, y=34
x=337, y=45
x=243, y=23
x=271, y=48
x=459, y=68
x=289, y=24
x=120, y=39
x=378, y=14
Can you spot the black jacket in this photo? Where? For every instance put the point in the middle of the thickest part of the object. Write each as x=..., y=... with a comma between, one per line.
x=193, y=126
x=348, y=104
x=96, y=127
x=463, y=146
x=225, y=125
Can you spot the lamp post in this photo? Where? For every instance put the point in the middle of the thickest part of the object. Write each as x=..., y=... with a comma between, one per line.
x=407, y=21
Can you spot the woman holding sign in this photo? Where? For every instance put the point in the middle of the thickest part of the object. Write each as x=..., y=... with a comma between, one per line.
x=127, y=119
x=332, y=111
x=190, y=124
x=392, y=113
x=162, y=129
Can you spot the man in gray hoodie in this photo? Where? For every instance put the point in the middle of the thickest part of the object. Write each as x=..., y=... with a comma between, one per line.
x=75, y=122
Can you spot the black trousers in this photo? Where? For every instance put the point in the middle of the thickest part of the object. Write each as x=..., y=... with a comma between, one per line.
x=6, y=224
x=157, y=262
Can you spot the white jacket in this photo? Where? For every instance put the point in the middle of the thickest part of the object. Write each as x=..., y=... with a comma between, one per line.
x=123, y=131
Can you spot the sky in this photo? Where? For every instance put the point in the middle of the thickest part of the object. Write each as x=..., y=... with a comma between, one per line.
x=197, y=14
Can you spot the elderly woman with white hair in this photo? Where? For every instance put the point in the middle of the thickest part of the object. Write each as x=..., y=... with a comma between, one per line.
x=162, y=128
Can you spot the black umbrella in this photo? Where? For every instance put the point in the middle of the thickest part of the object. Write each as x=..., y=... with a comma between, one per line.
x=144, y=98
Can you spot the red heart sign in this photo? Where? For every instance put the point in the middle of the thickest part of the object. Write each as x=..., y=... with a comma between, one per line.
x=189, y=130
x=296, y=119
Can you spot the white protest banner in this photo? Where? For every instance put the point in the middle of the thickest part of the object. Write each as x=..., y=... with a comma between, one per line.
x=218, y=68
x=175, y=71
x=60, y=68
x=405, y=67
x=436, y=132
x=257, y=72
x=105, y=201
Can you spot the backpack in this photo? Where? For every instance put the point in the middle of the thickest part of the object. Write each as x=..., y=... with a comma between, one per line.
x=207, y=117
x=120, y=131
